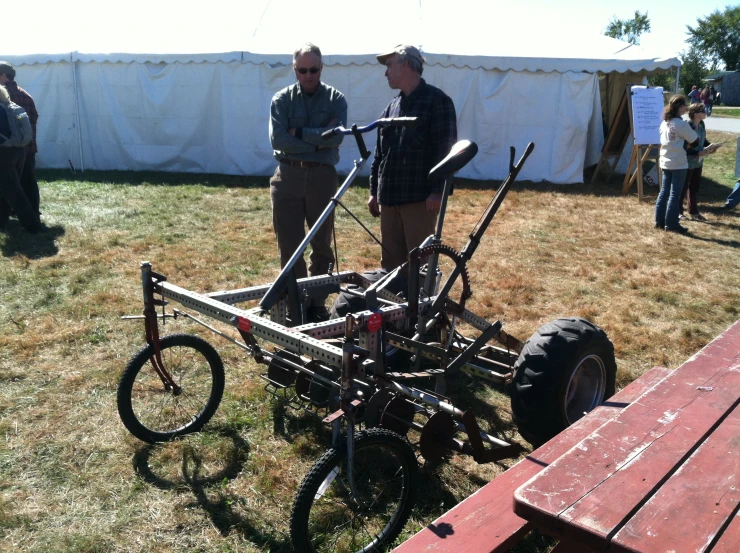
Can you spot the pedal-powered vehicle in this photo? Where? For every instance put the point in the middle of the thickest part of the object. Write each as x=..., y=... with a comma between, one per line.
x=361, y=372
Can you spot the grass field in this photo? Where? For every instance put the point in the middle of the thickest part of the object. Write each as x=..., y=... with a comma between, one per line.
x=72, y=480
x=724, y=111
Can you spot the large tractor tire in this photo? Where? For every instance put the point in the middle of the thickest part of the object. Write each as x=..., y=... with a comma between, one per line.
x=566, y=369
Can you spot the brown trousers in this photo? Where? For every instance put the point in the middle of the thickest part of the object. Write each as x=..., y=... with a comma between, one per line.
x=299, y=196
x=402, y=228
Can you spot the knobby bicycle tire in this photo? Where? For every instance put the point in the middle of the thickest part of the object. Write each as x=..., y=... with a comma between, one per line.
x=327, y=517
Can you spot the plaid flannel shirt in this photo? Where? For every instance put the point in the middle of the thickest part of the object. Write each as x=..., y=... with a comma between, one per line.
x=23, y=99
x=405, y=155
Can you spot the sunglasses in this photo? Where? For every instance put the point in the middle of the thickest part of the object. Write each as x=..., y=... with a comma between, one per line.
x=304, y=70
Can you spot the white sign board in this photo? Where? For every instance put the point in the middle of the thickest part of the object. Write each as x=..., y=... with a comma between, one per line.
x=647, y=114
x=737, y=159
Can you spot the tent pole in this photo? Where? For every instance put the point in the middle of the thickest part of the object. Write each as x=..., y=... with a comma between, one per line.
x=77, y=110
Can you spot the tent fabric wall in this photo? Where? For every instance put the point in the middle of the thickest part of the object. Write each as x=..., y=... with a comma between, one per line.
x=164, y=100
x=213, y=116
x=52, y=86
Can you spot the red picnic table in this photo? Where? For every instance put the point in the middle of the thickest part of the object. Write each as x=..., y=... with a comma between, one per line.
x=653, y=470
x=663, y=476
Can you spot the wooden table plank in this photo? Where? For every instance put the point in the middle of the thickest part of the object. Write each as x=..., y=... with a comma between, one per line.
x=694, y=505
x=589, y=493
x=729, y=541
x=485, y=521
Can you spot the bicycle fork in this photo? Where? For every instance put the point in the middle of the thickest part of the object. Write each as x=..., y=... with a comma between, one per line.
x=151, y=326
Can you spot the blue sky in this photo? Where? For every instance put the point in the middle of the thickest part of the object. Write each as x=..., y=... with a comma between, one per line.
x=668, y=19
x=190, y=26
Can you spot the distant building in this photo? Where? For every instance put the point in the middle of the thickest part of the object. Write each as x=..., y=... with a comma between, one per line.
x=727, y=83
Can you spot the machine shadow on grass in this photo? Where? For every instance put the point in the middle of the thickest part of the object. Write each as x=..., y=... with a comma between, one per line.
x=287, y=422
x=32, y=246
x=208, y=489
x=191, y=475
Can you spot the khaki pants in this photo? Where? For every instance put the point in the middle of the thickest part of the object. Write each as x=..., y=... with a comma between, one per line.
x=299, y=196
x=402, y=228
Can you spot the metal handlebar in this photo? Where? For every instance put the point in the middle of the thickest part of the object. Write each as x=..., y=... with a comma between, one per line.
x=383, y=122
x=357, y=132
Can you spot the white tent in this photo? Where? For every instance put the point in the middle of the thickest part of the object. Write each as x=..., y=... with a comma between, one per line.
x=208, y=112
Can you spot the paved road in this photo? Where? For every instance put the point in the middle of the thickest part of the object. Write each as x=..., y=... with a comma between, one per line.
x=726, y=124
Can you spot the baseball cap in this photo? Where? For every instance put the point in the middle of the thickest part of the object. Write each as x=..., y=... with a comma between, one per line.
x=402, y=50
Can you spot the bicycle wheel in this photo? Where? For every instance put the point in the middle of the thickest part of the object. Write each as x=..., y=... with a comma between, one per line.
x=150, y=410
x=328, y=517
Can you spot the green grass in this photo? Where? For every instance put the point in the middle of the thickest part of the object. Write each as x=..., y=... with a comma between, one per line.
x=724, y=111
x=72, y=479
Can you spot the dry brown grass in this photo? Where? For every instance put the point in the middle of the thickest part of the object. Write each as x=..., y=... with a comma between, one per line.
x=73, y=480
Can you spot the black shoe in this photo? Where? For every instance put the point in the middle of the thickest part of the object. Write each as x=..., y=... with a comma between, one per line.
x=37, y=228
x=679, y=229
x=317, y=314
x=659, y=226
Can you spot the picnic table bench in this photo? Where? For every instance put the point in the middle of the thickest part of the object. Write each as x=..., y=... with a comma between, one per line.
x=654, y=469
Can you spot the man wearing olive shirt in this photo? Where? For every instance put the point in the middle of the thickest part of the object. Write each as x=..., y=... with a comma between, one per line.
x=306, y=179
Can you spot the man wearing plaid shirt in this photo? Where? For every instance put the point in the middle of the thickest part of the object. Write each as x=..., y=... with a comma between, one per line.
x=22, y=98
x=401, y=193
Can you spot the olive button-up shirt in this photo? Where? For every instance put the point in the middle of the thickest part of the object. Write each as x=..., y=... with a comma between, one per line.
x=310, y=115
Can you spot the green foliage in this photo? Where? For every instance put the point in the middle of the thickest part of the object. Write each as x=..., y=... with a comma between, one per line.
x=693, y=70
x=629, y=30
x=717, y=37
x=665, y=79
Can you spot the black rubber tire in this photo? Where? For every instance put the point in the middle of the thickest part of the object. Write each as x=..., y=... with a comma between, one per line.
x=152, y=413
x=565, y=369
x=330, y=521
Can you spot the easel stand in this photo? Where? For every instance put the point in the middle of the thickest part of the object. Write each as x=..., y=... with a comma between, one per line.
x=639, y=113
x=640, y=154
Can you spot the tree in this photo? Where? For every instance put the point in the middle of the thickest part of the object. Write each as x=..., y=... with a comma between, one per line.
x=629, y=30
x=665, y=79
x=693, y=70
x=717, y=37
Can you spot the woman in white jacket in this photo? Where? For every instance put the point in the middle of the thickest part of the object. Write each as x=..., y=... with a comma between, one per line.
x=674, y=163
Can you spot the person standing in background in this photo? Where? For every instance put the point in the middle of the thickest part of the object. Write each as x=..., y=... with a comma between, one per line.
x=11, y=167
x=706, y=99
x=29, y=184
x=696, y=155
x=695, y=95
x=674, y=131
x=734, y=198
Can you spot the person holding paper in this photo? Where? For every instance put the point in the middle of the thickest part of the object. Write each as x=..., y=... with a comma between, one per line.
x=674, y=163
x=696, y=156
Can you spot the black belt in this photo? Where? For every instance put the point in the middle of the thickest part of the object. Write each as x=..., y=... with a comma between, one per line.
x=296, y=163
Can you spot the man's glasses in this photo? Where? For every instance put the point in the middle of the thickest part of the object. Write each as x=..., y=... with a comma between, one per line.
x=304, y=70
